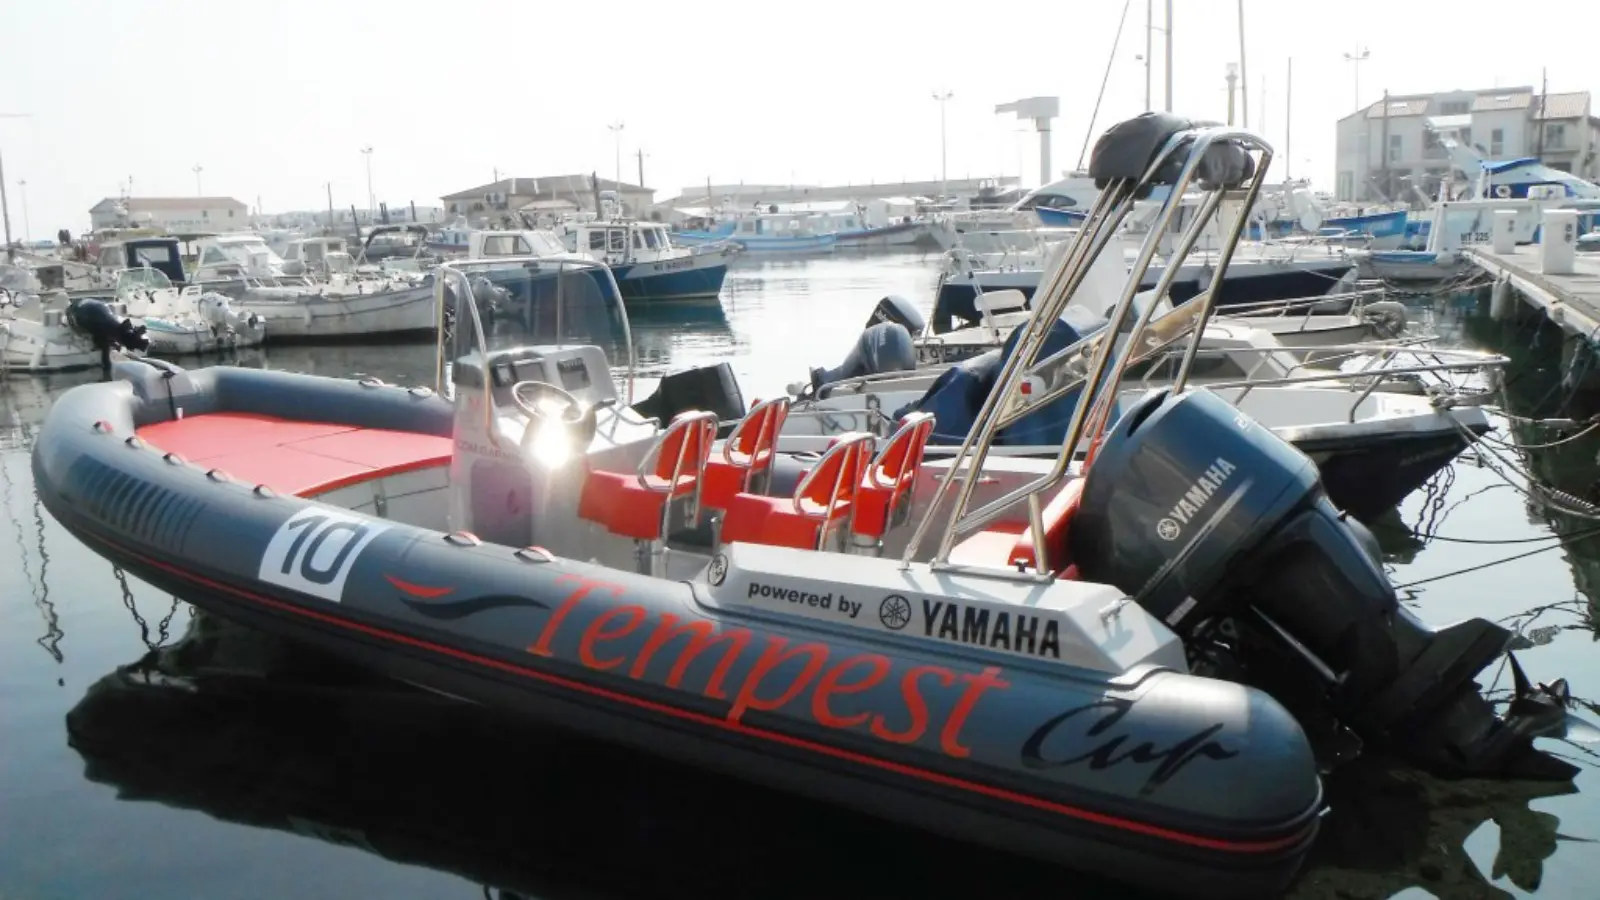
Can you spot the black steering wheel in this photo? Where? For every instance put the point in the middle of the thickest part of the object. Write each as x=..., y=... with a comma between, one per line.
x=535, y=399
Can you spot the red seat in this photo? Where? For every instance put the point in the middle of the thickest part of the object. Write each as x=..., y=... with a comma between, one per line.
x=746, y=455
x=1057, y=516
x=822, y=502
x=635, y=504
x=889, y=478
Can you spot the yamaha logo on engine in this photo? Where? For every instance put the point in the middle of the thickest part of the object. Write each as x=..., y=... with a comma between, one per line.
x=1194, y=499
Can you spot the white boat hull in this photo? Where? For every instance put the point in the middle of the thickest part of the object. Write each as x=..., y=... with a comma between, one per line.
x=304, y=316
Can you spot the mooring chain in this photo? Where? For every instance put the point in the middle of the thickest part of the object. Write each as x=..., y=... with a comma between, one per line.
x=1436, y=491
x=1489, y=455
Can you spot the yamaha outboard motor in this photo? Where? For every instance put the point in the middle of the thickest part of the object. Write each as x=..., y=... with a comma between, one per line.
x=1222, y=530
x=897, y=309
x=96, y=320
x=884, y=347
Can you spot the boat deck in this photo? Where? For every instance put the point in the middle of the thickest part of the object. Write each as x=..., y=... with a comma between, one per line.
x=302, y=458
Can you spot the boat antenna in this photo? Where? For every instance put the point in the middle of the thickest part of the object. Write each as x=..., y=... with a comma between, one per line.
x=1088, y=133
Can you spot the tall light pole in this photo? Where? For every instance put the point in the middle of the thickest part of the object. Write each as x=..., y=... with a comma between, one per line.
x=1358, y=188
x=27, y=226
x=372, y=203
x=1233, y=84
x=616, y=132
x=944, y=160
x=197, y=170
x=1355, y=59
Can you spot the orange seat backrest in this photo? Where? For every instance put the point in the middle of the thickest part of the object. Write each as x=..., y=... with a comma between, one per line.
x=753, y=440
x=681, y=452
x=896, y=467
x=832, y=483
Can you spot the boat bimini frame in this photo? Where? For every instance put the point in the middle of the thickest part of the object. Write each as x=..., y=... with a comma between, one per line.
x=1219, y=161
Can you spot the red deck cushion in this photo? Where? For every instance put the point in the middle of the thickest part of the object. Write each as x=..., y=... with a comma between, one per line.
x=303, y=458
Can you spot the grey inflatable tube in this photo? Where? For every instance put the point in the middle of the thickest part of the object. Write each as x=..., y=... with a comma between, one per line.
x=1150, y=776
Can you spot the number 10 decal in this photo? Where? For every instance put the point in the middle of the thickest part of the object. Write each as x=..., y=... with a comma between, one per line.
x=315, y=550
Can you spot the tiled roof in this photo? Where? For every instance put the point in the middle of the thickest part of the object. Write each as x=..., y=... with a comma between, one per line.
x=553, y=186
x=1399, y=106
x=166, y=204
x=1489, y=101
x=1563, y=106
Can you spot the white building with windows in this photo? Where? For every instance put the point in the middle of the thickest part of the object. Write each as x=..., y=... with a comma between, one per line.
x=1387, y=149
x=178, y=215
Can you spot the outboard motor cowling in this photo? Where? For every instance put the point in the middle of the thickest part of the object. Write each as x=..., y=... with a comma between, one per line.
x=96, y=320
x=897, y=309
x=884, y=347
x=710, y=388
x=1217, y=526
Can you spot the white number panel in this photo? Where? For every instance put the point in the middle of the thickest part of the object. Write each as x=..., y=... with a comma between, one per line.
x=315, y=550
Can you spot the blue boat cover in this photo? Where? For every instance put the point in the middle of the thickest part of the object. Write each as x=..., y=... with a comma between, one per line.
x=957, y=396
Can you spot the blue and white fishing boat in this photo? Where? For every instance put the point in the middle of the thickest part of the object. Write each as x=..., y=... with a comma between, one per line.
x=767, y=233
x=645, y=263
x=451, y=240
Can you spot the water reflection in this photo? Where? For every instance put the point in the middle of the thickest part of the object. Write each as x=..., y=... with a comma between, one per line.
x=255, y=731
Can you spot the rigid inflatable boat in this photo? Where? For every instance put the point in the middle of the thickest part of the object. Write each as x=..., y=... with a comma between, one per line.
x=1116, y=672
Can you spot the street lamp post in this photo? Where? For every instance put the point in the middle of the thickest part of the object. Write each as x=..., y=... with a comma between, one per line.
x=372, y=203
x=616, y=132
x=944, y=159
x=197, y=170
x=1360, y=56
x=1359, y=175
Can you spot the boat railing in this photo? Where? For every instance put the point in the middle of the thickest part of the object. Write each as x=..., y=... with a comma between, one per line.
x=1235, y=162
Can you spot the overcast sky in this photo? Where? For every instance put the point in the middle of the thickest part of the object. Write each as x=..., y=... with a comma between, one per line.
x=274, y=100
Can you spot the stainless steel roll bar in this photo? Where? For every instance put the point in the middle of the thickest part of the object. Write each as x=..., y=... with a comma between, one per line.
x=1006, y=403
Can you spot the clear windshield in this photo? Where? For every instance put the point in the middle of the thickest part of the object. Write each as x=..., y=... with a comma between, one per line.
x=530, y=303
x=143, y=279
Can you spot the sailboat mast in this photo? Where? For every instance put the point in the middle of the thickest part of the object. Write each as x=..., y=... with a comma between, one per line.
x=1149, y=41
x=1288, y=113
x=1244, y=75
x=1169, y=55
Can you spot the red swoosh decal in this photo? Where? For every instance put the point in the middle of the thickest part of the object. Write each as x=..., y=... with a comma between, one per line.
x=418, y=590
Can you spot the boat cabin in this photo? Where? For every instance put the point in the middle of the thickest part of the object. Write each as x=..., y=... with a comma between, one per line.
x=791, y=225
x=515, y=244
x=224, y=257
x=619, y=242
x=313, y=254
x=162, y=253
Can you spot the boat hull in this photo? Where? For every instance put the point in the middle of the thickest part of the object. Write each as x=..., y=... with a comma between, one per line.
x=1148, y=775
x=697, y=276
x=312, y=317
x=900, y=234
x=1242, y=285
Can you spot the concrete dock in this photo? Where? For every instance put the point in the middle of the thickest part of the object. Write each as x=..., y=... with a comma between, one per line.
x=1570, y=300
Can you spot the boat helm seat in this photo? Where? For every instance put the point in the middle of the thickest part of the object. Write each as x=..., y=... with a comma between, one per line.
x=638, y=504
x=1016, y=541
x=746, y=458
x=822, y=503
x=889, y=478
x=1057, y=516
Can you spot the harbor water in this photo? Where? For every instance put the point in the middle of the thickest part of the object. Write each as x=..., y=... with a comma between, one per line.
x=267, y=772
